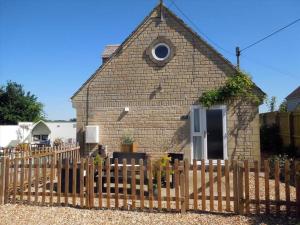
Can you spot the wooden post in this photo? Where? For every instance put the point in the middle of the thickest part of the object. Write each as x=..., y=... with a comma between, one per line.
x=74, y=181
x=182, y=192
x=235, y=186
x=241, y=189
x=186, y=188
x=16, y=162
x=59, y=181
x=2, y=179
x=116, y=176
x=219, y=187
x=22, y=179
x=297, y=181
x=287, y=187
x=159, y=187
x=52, y=171
x=142, y=183
x=168, y=185
x=256, y=176
x=277, y=188
x=124, y=183
x=44, y=180
x=36, y=177
x=267, y=192
x=203, y=186
x=211, y=186
x=107, y=166
x=195, y=190
x=91, y=186
x=100, y=184
x=133, y=184
x=176, y=171
x=87, y=183
x=150, y=185
x=81, y=191
x=227, y=185
x=247, y=203
x=6, y=181
x=29, y=180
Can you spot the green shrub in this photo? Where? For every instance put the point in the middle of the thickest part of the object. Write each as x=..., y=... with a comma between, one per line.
x=98, y=160
x=281, y=158
x=238, y=85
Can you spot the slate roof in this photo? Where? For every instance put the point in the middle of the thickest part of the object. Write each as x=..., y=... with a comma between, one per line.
x=294, y=94
x=109, y=50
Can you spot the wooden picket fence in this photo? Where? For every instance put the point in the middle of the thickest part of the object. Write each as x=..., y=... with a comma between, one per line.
x=231, y=186
x=17, y=166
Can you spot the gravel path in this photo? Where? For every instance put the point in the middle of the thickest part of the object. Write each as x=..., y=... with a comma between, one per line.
x=22, y=214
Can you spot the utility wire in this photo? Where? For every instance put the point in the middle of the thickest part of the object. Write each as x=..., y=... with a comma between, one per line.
x=197, y=28
x=172, y=2
x=273, y=33
x=274, y=69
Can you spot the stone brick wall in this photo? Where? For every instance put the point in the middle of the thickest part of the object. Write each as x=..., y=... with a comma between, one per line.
x=131, y=79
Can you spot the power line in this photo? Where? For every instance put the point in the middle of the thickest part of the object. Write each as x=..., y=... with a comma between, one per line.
x=273, y=33
x=197, y=28
x=172, y=2
x=277, y=70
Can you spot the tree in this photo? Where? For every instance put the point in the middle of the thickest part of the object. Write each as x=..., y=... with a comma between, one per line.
x=72, y=120
x=17, y=105
x=283, y=106
x=271, y=104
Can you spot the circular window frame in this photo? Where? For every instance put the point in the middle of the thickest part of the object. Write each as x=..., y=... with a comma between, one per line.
x=156, y=43
x=154, y=51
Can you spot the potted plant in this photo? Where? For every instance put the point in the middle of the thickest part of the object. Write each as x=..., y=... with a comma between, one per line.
x=128, y=143
x=155, y=168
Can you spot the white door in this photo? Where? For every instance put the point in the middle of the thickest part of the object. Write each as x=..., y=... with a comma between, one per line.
x=208, y=133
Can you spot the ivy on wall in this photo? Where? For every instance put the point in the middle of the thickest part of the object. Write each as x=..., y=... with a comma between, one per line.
x=239, y=85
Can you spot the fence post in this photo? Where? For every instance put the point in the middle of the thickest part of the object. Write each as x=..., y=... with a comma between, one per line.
x=6, y=180
x=240, y=183
x=2, y=179
x=182, y=192
x=297, y=181
x=235, y=186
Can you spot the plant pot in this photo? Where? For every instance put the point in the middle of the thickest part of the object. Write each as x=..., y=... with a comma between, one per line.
x=134, y=147
x=125, y=148
x=129, y=147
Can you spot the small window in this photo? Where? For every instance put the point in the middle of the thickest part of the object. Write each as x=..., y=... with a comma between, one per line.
x=36, y=137
x=44, y=137
x=161, y=51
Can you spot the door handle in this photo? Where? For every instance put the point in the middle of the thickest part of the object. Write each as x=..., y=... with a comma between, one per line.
x=205, y=133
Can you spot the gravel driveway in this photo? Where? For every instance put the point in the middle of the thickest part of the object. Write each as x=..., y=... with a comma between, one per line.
x=22, y=214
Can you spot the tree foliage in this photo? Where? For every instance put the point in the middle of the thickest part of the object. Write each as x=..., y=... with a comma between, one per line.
x=283, y=106
x=239, y=85
x=17, y=105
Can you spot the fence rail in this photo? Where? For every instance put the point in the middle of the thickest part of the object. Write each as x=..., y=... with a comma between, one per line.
x=18, y=170
x=235, y=186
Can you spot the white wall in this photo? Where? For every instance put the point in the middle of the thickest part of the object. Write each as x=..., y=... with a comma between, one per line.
x=11, y=135
x=63, y=130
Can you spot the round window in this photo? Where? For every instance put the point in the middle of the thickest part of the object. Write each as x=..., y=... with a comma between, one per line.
x=161, y=51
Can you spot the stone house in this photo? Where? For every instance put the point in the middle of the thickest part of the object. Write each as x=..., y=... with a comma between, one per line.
x=150, y=85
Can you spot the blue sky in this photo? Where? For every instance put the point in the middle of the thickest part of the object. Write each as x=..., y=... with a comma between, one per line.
x=52, y=47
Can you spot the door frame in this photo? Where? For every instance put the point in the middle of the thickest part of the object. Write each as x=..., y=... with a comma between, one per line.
x=203, y=130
